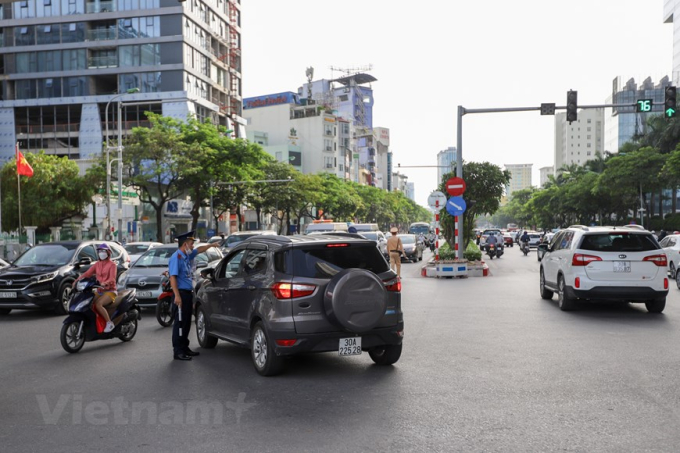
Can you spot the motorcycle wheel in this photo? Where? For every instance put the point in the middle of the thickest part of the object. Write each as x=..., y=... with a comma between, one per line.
x=69, y=337
x=164, y=312
x=129, y=329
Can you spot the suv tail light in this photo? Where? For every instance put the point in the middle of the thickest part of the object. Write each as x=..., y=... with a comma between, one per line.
x=393, y=284
x=659, y=260
x=283, y=290
x=337, y=245
x=579, y=259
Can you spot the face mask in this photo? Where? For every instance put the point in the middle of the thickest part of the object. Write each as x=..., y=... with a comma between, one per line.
x=103, y=255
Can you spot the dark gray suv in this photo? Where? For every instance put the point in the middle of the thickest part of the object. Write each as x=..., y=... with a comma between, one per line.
x=284, y=295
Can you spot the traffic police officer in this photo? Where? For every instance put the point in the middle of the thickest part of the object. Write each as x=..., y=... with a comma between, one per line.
x=181, y=269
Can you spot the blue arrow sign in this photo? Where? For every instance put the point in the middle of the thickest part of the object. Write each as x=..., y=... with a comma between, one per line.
x=456, y=206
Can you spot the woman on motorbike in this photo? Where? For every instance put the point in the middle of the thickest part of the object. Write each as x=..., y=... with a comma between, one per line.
x=105, y=271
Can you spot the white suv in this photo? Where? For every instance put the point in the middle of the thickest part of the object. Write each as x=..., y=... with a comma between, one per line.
x=604, y=263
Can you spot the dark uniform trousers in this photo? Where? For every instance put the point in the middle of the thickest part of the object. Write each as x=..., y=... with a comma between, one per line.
x=180, y=344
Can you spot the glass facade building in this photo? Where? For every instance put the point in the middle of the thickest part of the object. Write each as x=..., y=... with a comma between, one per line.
x=62, y=62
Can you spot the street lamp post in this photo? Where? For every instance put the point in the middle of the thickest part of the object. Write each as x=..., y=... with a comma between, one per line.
x=108, y=163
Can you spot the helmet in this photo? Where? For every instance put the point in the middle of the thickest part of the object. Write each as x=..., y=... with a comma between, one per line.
x=104, y=247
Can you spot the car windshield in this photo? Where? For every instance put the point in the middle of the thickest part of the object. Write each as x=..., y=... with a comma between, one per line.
x=371, y=236
x=408, y=239
x=327, y=261
x=233, y=240
x=618, y=242
x=156, y=257
x=47, y=255
x=136, y=249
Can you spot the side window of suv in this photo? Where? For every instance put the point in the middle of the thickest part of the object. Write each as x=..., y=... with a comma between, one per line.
x=565, y=243
x=255, y=262
x=231, y=265
x=556, y=241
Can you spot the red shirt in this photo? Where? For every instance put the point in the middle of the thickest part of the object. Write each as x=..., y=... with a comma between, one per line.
x=105, y=271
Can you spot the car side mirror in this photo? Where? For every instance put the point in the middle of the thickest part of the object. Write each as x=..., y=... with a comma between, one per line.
x=208, y=273
x=201, y=264
x=543, y=247
x=83, y=262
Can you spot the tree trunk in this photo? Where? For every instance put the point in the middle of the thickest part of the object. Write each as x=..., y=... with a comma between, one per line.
x=258, y=211
x=288, y=222
x=160, y=237
x=674, y=198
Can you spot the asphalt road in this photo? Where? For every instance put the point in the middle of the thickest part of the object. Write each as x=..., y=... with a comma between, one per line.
x=487, y=366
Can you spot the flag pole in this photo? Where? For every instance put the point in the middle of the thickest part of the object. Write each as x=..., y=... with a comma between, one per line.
x=18, y=189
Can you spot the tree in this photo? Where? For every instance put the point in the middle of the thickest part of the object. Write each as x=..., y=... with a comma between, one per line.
x=485, y=185
x=52, y=195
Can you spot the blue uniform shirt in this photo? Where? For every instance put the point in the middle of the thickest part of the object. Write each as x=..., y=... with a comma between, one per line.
x=182, y=267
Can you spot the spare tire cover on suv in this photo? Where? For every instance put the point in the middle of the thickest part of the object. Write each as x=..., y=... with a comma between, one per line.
x=355, y=299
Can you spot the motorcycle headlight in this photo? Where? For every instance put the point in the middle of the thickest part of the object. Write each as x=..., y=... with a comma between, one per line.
x=44, y=277
x=122, y=281
x=81, y=285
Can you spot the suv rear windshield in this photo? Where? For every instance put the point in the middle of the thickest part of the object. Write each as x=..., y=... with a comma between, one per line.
x=325, y=262
x=618, y=242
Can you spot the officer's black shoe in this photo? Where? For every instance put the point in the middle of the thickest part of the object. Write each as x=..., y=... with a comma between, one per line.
x=182, y=356
x=191, y=353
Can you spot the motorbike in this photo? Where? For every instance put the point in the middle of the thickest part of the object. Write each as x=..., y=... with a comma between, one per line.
x=525, y=248
x=81, y=323
x=491, y=251
x=164, y=304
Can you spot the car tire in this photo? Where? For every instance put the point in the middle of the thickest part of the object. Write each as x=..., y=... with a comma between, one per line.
x=677, y=280
x=130, y=332
x=656, y=306
x=356, y=300
x=5, y=311
x=545, y=293
x=206, y=340
x=69, y=342
x=64, y=296
x=265, y=360
x=385, y=355
x=565, y=302
x=672, y=270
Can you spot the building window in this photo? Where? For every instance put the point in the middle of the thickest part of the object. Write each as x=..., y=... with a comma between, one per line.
x=24, y=4
x=48, y=28
x=127, y=23
x=588, y=145
x=71, y=27
x=24, y=30
x=47, y=2
x=588, y=121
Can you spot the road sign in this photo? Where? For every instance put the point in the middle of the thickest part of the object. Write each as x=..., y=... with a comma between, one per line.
x=456, y=206
x=455, y=186
x=436, y=200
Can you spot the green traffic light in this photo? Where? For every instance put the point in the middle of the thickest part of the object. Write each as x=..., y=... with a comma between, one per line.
x=670, y=113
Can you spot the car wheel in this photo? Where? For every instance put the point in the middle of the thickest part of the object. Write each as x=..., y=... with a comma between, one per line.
x=164, y=312
x=70, y=340
x=128, y=330
x=206, y=340
x=385, y=355
x=5, y=311
x=672, y=270
x=565, y=302
x=656, y=306
x=265, y=360
x=64, y=295
x=677, y=279
x=545, y=293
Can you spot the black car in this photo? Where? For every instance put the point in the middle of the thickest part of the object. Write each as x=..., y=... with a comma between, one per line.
x=42, y=276
x=284, y=295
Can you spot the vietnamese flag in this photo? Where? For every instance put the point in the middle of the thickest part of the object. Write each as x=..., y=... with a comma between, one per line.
x=23, y=167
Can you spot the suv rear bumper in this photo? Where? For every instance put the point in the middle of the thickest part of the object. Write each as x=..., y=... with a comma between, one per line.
x=618, y=293
x=330, y=341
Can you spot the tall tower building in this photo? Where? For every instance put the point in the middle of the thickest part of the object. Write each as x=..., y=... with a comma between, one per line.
x=577, y=143
x=520, y=178
x=446, y=162
x=66, y=64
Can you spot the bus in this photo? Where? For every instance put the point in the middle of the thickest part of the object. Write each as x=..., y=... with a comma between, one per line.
x=512, y=227
x=419, y=227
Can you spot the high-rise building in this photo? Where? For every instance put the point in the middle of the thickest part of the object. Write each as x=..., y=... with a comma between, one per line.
x=520, y=178
x=66, y=64
x=622, y=124
x=576, y=143
x=544, y=172
x=446, y=162
x=671, y=8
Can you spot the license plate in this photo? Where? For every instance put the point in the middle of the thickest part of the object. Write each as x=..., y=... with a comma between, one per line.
x=621, y=266
x=6, y=295
x=143, y=294
x=350, y=346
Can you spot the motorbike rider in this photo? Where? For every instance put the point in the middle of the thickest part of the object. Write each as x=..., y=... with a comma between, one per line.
x=524, y=239
x=105, y=271
x=491, y=239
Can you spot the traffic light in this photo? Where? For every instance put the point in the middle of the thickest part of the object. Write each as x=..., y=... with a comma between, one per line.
x=669, y=102
x=572, y=105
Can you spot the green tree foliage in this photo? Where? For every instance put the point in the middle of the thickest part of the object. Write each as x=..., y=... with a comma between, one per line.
x=55, y=192
x=485, y=185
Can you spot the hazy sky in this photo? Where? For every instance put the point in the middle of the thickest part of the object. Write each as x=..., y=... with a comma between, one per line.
x=431, y=56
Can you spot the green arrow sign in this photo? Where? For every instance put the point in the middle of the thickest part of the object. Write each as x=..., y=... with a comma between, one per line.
x=670, y=113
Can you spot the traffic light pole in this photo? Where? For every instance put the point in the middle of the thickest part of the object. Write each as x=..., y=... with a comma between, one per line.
x=459, y=142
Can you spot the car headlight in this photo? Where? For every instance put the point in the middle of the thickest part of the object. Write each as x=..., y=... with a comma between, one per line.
x=45, y=277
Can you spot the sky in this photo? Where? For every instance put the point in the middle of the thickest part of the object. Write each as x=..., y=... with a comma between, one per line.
x=431, y=56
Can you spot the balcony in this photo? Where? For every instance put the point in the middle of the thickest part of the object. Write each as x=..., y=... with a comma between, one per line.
x=103, y=62
x=100, y=7
x=101, y=34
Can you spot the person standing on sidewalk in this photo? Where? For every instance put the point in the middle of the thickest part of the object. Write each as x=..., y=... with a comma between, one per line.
x=181, y=269
x=395, y=248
